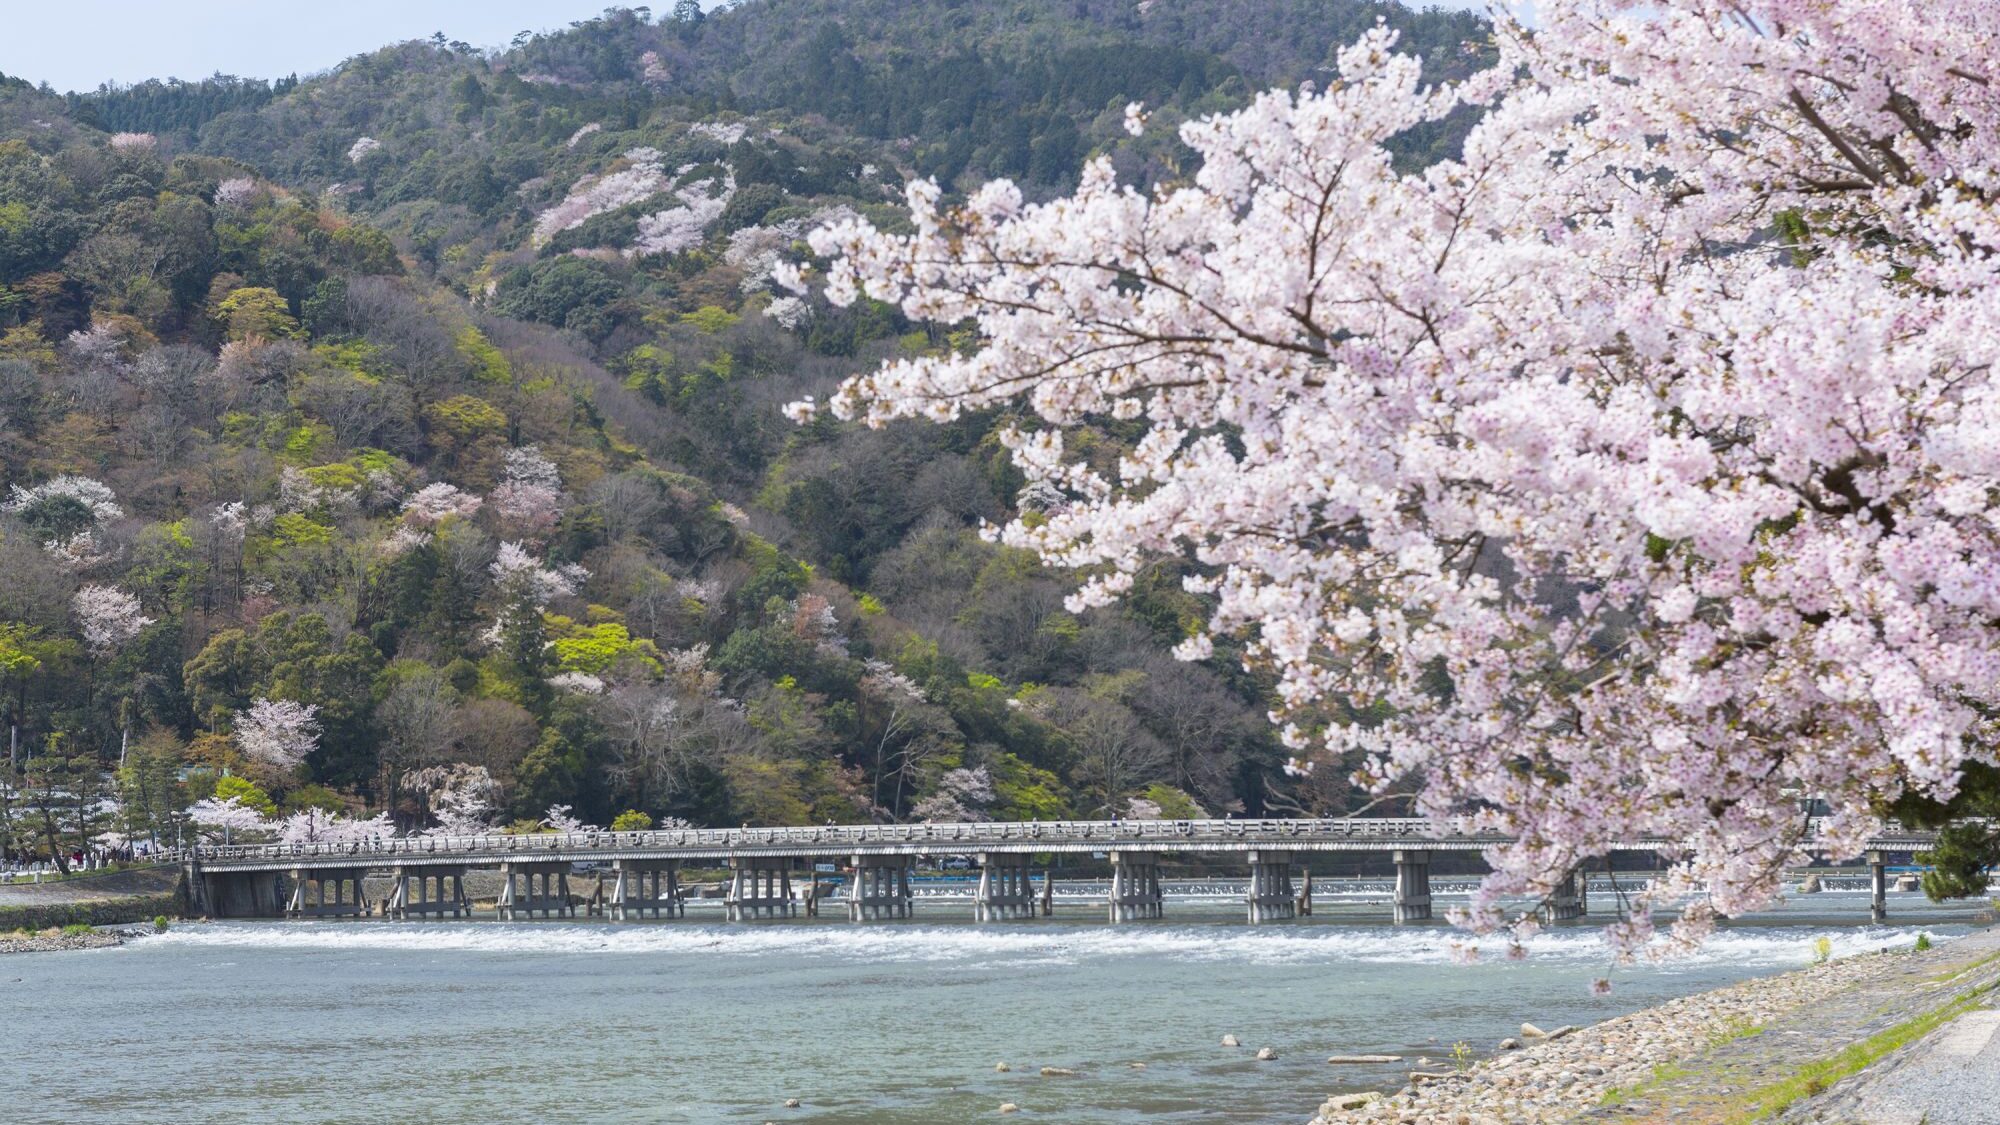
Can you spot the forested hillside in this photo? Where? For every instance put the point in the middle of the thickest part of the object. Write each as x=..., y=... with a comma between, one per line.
x=406, y=440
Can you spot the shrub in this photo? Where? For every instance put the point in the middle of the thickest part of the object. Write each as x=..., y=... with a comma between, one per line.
x=1923, y=942
x=631, y=820
x=76, y=928
x=160, y=923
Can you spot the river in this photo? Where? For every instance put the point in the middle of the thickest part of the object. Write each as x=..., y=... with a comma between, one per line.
x=701, y=1021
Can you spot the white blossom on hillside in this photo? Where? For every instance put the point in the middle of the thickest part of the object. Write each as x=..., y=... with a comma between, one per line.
x=134, y=142
x=278, y=732
x=519, y=575
x=94, y=495
x=727, y=133
x=579, y=683
x=680, y=228
x=962, y=796
x=235, y=191
x=433, y=503
x=791, y=313
x=594, y=195
x=582, y=132
x=109, y=617
x=362, y=148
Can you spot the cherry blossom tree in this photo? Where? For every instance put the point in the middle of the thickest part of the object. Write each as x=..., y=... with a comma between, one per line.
x=1630, y=476
x=228, y=817
x=109, y=617
x=318, y=826
x=434, y=503
x=278, y=732
x=462, y=798
x=559, y=818
x=529, y=498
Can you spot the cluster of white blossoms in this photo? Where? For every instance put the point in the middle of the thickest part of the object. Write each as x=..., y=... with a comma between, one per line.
x=594, y=195
x=362, y=148
x=676, y=229
x=109, y=617
x=529, y=497
x=235, y=191
x=277, y=732
x=1631, y=476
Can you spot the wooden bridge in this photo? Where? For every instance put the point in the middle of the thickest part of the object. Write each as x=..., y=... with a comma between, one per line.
x=427, y=873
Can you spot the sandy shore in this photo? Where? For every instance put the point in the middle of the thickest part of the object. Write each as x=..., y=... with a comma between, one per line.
x=1649, y=1065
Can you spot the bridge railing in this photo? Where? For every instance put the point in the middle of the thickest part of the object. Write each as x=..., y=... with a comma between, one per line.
x=944, y=837
x=934, y=838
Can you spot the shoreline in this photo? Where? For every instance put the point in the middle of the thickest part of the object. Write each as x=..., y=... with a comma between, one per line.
x=1716, y=1056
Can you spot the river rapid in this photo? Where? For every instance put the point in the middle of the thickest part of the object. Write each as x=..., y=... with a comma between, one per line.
x=701, y=1021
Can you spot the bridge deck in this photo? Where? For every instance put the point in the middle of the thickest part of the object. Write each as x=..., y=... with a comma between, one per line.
x=1223, y=837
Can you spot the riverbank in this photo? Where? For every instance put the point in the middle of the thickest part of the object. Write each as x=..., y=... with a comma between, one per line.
x=1749, y=1051
x=113, y=898
x=54, y=940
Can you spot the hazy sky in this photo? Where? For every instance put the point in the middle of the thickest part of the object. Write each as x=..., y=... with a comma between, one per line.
x=77, y=44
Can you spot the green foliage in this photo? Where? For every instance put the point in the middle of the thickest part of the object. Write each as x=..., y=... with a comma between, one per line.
x=246, y=791
x=1822, y=948
x=256, y=313
x=160, y=923
x=631, y=820
x=1923, y=942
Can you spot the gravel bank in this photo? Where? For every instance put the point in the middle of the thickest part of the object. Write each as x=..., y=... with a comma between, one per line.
x=1567, y=1076
x=54, y=941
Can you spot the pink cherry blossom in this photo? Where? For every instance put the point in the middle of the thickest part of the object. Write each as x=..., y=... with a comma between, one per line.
x=1629, y=477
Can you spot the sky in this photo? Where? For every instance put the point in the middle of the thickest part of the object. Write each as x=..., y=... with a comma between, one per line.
x=78, y=44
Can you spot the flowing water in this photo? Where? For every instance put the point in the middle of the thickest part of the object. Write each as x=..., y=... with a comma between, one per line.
x=700, y=1021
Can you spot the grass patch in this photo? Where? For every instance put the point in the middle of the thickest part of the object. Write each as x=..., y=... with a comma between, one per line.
x=1816, y=1077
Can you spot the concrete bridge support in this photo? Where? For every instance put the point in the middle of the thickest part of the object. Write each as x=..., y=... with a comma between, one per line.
x=1270, y=896
x=1413, y=886
x=881, y=888
x=1006, y=888
x=1566, y=902
x=1135, y=886
x=240, y=894
x=759, y=887
x=633, y=897
x=528, y=887
x=1878, y=887
x=327, y=892
x=424, y=892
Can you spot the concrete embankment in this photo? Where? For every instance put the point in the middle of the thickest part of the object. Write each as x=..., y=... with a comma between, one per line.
x=107, y=899
x=1773, y=1048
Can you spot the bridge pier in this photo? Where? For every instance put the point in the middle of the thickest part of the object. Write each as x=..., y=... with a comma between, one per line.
x=240, y=894
x=1270, y=895
x=438, y=890
x=348, y=899
x=1006, y=888
x=759, y=887
x=1878, y=887
x=632, y=898
x=528, y=886
x=1566, y=903
x=1135, y=886
x=881, y=888
x=1413, y=886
